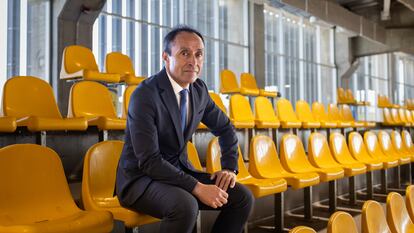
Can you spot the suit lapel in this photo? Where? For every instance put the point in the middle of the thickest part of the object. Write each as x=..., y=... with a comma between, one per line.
x=170, y=101
x=194, y=103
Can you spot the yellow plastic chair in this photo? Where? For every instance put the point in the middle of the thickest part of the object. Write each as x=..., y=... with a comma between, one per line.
x=118, y=63
x=35, y=195
x=373, y=218
x=341, y=96
x=397, y=216
x=396, y=117
x=403, y=117
x=302, y=229
x=249, y=87
x=127, y=95
x=264, y=163
x=346, y=114
x=93, y=101
x=286, y=114
x=341, y=222
x=409, y=200
x=228, y=84
x=304, y=115
x=388, y=120
x=399, y=146
x=265, y=117
x=350, y=97
x=409, y=116
x=318, y=111
x=7, y=124
x=408, y=142
x=389, y=149
x=241, y=114
x=193, y=156
x=375, y=151
x=98, y=184
x=31, y=101
x=79, y=62
x=217, y=100
x=335, y=115
x=320, y=156
x=360, y=153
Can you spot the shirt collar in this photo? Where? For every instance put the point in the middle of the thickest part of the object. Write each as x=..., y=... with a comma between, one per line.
x=176, y=87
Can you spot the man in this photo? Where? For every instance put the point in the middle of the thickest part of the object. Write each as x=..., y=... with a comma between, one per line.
x=154, y=175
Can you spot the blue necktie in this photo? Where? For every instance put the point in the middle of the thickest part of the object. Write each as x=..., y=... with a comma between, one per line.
x=183, y=108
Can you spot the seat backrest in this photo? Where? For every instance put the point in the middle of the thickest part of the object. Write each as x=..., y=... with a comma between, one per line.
x=408, y=116
x=318, y=151
x=340, y=222
x=347, y=113
x=349, y=95
x=34, y=186
x=408, y=142
x=264, y=110
x=263, y=159
x=401, y=115
x=334, y=113
x=397, y=215
x=77, y=58
x=341, y=95
x=319, y=113
x=385, y=143
x=339, y=149
x=293, y=156
x=90, y=99
x=228, y=82
x=248, y=81
x=285, y=111
x=302, y=229
x=373, y=218
x=193, y=156
x=118, y=63
x=397, y=142
x=387, y=116
x=409, y=200
x=213, y=160
x=303, y=111
x=217, y=100
x=240, y=109
x=99, y=172
x=127, y=95
x=395, y=116
x=357, y=147
x=25, y=96
x=373, y=147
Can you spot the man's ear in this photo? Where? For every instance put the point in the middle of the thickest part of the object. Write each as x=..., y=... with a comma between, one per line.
x=165, y=57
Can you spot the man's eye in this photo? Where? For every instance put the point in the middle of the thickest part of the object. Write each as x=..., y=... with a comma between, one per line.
x=185, y=53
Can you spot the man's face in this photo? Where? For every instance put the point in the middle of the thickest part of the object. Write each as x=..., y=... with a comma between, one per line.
x=186, y=60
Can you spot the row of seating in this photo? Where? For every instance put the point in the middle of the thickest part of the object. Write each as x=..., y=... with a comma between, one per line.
x=347, y=97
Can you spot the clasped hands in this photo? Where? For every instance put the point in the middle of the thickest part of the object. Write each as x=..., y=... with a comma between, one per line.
x=215, y=195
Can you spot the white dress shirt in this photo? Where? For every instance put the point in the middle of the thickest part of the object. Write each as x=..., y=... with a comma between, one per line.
x=177, y=88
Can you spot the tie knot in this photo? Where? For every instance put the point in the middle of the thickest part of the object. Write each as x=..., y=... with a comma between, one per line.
x=183, y=92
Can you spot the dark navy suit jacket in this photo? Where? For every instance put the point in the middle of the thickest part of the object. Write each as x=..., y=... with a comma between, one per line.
x=155, y=146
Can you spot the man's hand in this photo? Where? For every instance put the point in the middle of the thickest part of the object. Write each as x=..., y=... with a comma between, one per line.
x=224, y=179
x=210, y=195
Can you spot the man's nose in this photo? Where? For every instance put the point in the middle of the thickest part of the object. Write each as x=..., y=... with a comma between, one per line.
x=192, y=59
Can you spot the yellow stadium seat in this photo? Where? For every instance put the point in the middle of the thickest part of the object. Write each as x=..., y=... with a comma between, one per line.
x=346, y=114
x=31, y=101
x=248, y=86
x=304, y=115
x=388, y=120
x=350, y=97
x=98, y=184
x=408, y=142
x=399, y=146
x=359, y=152
x=341, y=222
x=79, y=62
x=228, y=84
x=409, y=116
x=259, y=187
x=93, y=101
x=389, y=149
x=320, y=156
x=7, y=124
x=286, y=114
x=403, y=117
x=340, y=151
x=375, y=151
x=193, y=156
x=118, y=63
x=293, y=158
x=320, y=115
x=264, y=163
x=373, y=218
x=396, y=117
x=409, y=200
x=397, y=216
x=302, y=229
x=334, y=115
x=127, y=95
x=240, y=112
x=217, y=100
x=265, y=116
x=35, y=196
x=341, y=96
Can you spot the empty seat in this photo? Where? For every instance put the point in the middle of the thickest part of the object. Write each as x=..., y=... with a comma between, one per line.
x=373, y=218
x=399, y=146
x=228, y=82
x=397, y=216
x=248, y=86
x=350, y=97
x=396, y=117
x=359, y=152
x=240, y=112
x=335, y=115
x=389, y=149
x=193, y=156
x=409, y=116
x=127, y=95
x=304, y=114
x=347, y=116
x=341, y=96
x=79, y=62
x=403, y=117
x=93, y=101
x=265, y=116
x=408, y=142
x=217, y=100
x=264, y=163
x=259, y=187
x=35, y=196
x=98, y=184
x=374, y=150
x=302, y=229
x=388, y=120
x=118, y=63
x=341, y=222
x=318, y=111
x=409, y=200
x=286, y=114
x=7, y=124
x=31, y=101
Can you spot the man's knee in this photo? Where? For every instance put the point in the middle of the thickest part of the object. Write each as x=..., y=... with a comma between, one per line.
x=185, y=207
x=246, y=197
